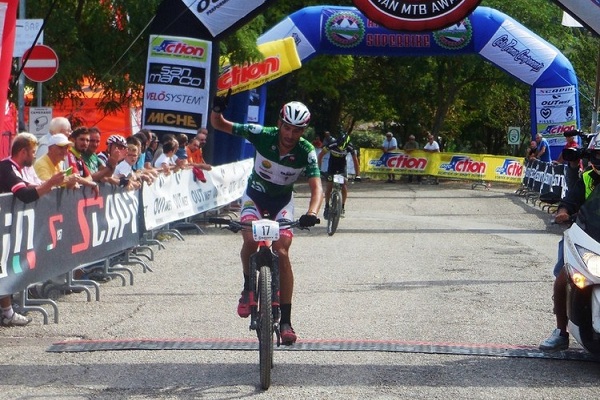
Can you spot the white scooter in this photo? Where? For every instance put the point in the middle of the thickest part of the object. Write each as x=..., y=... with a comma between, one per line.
x=582, y=261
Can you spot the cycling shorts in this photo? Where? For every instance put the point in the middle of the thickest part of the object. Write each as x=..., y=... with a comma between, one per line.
x=255, y=204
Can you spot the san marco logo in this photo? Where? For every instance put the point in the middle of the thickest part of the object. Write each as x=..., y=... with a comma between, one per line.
x=416, y=15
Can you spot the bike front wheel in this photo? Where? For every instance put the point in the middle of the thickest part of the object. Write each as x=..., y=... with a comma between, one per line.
x=334, y=212
x=265, y=326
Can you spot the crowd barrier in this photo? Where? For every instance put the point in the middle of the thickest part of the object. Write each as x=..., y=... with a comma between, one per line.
x=476, y=167
x=544, y=183
x=67, y=229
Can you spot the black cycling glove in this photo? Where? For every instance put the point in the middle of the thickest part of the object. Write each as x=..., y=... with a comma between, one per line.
x=220, y=102
x=308, y=220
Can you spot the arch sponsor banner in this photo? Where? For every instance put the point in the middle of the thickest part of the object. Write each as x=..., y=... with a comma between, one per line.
x=416, y=15
x=176, y=90
x=487, y=32
x=444, y=165
x=280, y=58
x=556, y=113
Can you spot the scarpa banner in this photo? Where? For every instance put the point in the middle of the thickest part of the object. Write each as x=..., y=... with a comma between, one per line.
x=181, y=195
x=280, y=58
x=63, y=230
x=481, y=167
x=176, y=92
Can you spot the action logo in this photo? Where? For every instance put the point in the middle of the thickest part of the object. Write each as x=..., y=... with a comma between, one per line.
x=465, y=165
x=510, y=168
x=345, y=29
x=455, y=36
x=399, y=161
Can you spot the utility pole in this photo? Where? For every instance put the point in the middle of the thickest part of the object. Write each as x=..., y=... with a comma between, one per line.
x=594, y=127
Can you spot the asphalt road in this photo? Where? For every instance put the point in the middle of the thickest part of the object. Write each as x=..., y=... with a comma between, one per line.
x=409, y=299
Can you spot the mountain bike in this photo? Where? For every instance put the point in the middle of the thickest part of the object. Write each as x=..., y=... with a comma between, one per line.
x=335, y=209
x=264, y=284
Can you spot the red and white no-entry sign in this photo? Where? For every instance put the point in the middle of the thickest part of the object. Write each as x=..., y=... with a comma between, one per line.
x=42, y=63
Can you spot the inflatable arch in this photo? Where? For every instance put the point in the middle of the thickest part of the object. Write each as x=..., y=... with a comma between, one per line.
x=487, y=32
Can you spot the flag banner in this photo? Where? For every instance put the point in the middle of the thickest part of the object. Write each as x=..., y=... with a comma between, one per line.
x=181, y=195
x=586, y=12
x=176, y=91
x=280, y=58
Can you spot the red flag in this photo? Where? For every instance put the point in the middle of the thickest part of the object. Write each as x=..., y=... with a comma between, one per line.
x=8, y=15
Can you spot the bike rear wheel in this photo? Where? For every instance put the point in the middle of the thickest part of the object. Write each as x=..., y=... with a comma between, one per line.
x=265, y=326
x=334, y=212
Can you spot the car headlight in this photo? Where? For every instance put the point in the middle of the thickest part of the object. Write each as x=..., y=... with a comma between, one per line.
x=591, y=260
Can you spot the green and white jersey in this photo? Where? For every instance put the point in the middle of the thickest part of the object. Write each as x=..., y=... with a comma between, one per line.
x=272, y=173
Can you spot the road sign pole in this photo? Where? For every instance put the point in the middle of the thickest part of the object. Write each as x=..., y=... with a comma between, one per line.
x=21, y=86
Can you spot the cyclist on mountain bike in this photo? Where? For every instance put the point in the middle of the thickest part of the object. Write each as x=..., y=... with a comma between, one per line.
x=338, y=150
x=281, y=156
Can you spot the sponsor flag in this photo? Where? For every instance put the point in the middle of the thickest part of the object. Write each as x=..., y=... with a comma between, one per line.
x=8, y=22
x=280, y=58
x=587, y=12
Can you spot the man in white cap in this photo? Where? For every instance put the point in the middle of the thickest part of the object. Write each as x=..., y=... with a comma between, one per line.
x=57, y=125
x=53, y=161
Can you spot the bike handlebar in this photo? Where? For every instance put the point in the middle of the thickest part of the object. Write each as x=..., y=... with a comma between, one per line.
x=236, y=226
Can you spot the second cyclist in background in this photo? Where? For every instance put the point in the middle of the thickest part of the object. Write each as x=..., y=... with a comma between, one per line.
x=338, y=150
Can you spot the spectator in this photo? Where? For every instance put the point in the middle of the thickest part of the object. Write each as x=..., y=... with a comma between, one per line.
x=543, y=149
x=53, y=162
x=81, y=139
x=582, y=199
x=23, y=151
x=100, y=167
x=409, y=147
x=327, y=139
x=143, y=140
x=432, y=147
x=181, y=157
x=571, y=143
x=57, y=125
x=389, y=145
x=531, y=150
x=194, y=152
x=166, y=161
x=151, y=151
x=124, y=171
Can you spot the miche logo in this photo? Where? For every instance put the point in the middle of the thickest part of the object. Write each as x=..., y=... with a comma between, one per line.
x=173, y=119
x=411, y=15
x=178, y=48
x=464, y=164
x=236, y=75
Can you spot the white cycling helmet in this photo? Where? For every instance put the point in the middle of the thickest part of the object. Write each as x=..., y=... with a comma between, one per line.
x=116, y=139
x=295, y=113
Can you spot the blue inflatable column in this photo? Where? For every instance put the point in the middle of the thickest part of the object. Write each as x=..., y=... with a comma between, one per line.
x=228, y=148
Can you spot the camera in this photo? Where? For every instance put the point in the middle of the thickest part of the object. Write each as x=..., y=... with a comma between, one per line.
x=576, y=154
